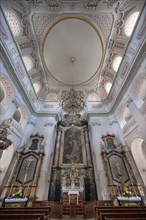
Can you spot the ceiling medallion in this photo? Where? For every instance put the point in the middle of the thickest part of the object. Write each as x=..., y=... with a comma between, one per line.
x=72, y=102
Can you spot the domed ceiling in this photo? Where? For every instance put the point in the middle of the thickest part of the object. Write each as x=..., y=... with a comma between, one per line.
x=72, y=51
x=72, y=44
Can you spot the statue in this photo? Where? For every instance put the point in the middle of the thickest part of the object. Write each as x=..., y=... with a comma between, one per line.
x=4, y=142
x=19, y=193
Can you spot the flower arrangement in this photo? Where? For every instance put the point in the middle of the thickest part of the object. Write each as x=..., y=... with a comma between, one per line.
x=126, y=190
x=127, y=193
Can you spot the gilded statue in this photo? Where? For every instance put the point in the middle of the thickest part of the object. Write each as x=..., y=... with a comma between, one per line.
x=19, y=193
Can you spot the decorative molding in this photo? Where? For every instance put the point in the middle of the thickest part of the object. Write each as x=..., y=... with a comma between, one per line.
x=40, y=22
x=104, y=22
x=8, y=88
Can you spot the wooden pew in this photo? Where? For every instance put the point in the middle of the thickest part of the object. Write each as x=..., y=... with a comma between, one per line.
x=134, y=210
x=21, y=212
x=116, y=209
x=46, y=211
x=124, y=215
x=22, y=216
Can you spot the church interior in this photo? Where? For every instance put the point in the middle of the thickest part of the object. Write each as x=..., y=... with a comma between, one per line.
x=73, y=109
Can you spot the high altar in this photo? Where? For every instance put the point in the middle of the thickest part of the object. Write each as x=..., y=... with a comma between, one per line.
x=72, y=178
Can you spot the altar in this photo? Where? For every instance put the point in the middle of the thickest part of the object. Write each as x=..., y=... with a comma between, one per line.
x=129, y=201
x=73, y=195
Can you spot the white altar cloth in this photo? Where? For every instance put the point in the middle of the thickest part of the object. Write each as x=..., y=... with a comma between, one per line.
x=10, y=200
x=133, y=198
x=70, y=192
x=65, y=190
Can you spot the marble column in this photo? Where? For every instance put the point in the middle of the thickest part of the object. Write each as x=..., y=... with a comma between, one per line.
x=88, y=151
x=57, y=150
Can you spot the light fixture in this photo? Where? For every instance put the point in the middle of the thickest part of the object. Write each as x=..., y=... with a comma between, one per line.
x=72, y=102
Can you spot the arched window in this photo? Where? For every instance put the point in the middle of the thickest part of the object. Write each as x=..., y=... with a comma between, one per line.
x=17, y=115
x=130, y=23
x=28, y=62
x=116, y=63
x=108, y=86
x=37, y=86
x=127, y=114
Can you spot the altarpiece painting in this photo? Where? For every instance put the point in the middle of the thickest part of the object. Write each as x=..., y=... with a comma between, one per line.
x=72, y=147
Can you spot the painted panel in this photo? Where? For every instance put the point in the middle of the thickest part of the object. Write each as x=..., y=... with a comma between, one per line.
x=72, y=147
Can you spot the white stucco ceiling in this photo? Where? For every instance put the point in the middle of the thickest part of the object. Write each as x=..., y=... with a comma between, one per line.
x=72, y=50
x=72, y=43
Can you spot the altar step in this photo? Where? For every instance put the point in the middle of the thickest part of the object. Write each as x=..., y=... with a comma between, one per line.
x=72, y=209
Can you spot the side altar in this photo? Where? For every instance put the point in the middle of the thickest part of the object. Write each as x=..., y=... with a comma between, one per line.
x=22, y=185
